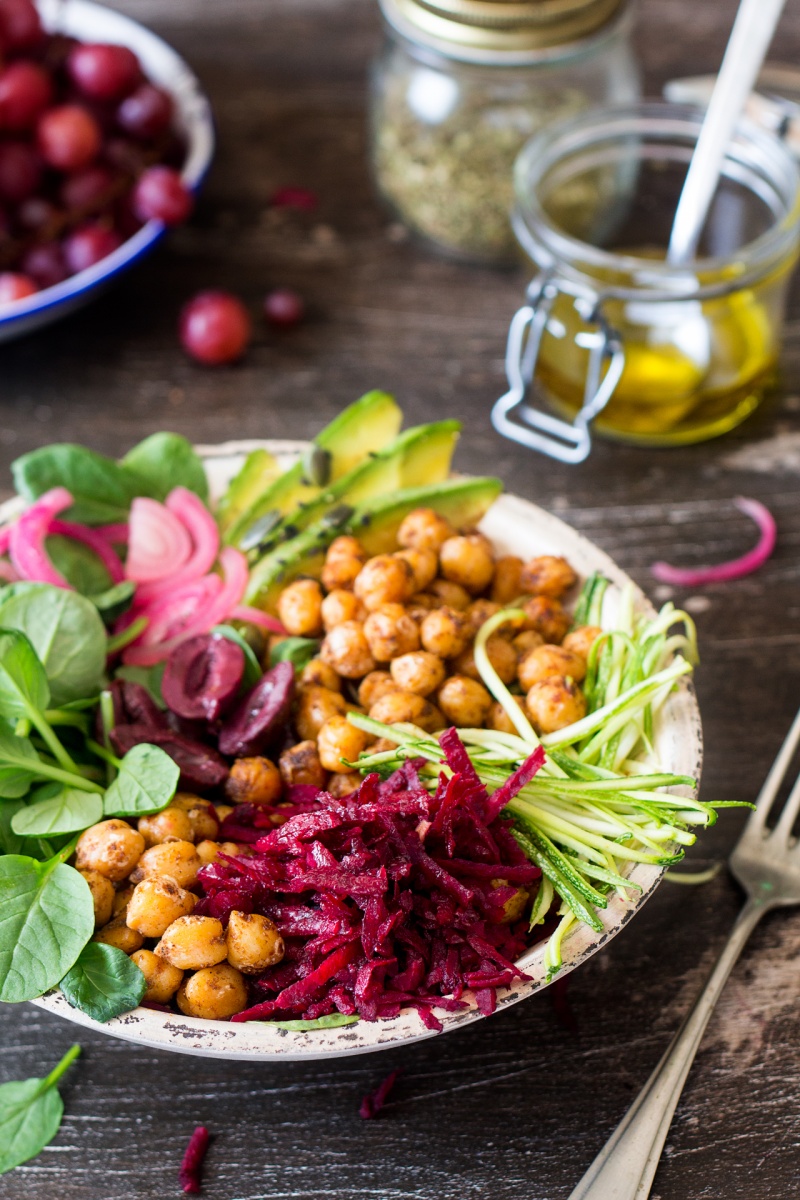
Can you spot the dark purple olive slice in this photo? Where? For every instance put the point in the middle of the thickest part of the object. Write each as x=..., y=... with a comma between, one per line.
x=202, y=677
x=259, y=718
x=201, y=767
x=133, y=705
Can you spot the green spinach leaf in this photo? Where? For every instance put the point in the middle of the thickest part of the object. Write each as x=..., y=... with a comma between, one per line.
x=148, y=677
x=252, y=667
x=66, y=632
x=296, y=650
x=146, y=783
x=55, y=809
x=103, y=983
x=79, y=565
x=165, y=461
x=46, y=918
x=101, y=488
x=19, y=765
x=23, y=683
x=30, y=1114
x=113, y=602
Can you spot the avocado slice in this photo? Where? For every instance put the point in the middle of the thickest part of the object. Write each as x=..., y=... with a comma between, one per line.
x=361, y=429
x=418, y=456
x=259, y=470
x=375, y=523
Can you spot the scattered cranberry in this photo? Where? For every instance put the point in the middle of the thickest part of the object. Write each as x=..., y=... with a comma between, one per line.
x=161, y=195
x=88, y=188
x=15, y=287
x=87, y=245
x=25, y=92
x=146, y=113
x=294, y=197
x=20, y=171
x=20, y=27
x=36, y=214
x=215, y=328
x=284, y=308
x=124, y=155
x=45, y=264
x=104, y=72
x=69, y=137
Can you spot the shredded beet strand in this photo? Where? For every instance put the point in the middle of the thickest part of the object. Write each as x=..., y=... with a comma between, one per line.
x=374, y=1101
x=193, y=1158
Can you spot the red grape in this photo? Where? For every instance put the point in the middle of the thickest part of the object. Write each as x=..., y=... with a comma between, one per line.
x=15, y=287
x=146, y=113
x=20, y=27
x=69, y=137
x=215, y=328
x=161, y=195
x=104, y=72
x=20, y=171
x=25, y=92
x=88, y=188
x=45, y=264
x=88, y=245
x=284, y=308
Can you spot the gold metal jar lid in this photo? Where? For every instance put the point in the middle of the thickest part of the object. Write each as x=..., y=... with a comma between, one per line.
x=499, y=30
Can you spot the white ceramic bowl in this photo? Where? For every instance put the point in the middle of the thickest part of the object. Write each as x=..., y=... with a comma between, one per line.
x=93, y=22
x=518, y=527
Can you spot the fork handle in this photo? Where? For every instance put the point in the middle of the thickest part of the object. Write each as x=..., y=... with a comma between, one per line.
x=626, y=1166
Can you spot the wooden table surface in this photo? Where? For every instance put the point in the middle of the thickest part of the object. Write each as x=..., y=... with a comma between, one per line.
x=516, y=1107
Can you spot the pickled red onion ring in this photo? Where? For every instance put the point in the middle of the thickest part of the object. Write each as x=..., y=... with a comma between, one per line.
x=7, y=572
x=254, y=616
x=159, y=544
x=95, y=541
x=26, y=543
x=118, y=533
x=195, y=517
x=735, y=568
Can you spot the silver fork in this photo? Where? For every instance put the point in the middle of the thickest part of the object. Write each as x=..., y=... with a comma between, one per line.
x=767, y=865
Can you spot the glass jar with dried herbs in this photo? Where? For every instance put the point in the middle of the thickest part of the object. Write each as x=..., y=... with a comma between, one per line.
x=462, y=85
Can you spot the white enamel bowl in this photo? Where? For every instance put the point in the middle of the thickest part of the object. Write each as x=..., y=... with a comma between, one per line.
x=93, y=22
x=517, y=527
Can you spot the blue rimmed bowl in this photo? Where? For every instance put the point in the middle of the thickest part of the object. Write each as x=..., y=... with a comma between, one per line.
x=163, y=66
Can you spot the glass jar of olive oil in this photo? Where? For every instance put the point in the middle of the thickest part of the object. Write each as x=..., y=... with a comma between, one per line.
x=460, y=87
x=614, y=335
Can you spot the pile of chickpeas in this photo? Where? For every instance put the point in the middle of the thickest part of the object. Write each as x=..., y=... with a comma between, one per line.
x=397, y=632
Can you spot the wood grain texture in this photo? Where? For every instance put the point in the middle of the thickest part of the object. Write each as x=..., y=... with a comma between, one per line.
x=516, y=1107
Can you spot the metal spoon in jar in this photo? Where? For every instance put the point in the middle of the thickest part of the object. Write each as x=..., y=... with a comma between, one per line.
x=746, y=50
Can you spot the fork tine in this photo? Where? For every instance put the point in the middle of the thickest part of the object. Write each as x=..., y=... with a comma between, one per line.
x=772, y=783
x=790, y=810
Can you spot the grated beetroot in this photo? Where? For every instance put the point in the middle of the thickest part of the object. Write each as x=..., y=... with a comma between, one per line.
x=374, y=1101
x=192, y=1164
x=387, y=898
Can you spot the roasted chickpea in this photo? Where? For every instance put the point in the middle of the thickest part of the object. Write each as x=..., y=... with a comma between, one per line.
x=373, y=686
x=464, y=701
x=179, y=860
x=102, y=890
x=342, y=784
x=300, y=608
x=117, y=934
x=316, y=706
x=193, y=942
x=214, y=993
x=500, y=720
x=384, y=580
x=501, y=655
x=162, y=979
x=346, y=649
x=339, y=606
x=300, y=764
x=548, y=575
x=450, y=595
x=581, y=640
x=223, y=811
x=424, y=565
x=254, y=780
x=254, y=943
x=424, y=529
x=467, y=560
x=155, y=904
x=170, y=823
x=478, y=612
x=344, y=560
x=338, y=740
x=318, y=674
x=420, y=605
x=444, y=632
x=408, y=707
x=547, y=661
x=555, y=703
x=121, y=900
x=390, y=632
x=202, y=814
x=381, y=745
x=514, y=907
x=525, y=641
x=507, y=582
x=420, y=672
x=207, y=851
x=111, y=847
x=547, y=618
